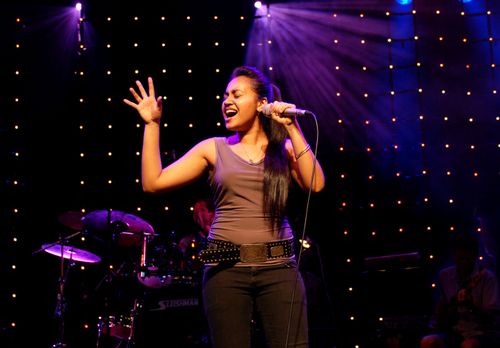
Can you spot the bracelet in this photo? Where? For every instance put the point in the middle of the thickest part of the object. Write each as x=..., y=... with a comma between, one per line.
x=307, y=148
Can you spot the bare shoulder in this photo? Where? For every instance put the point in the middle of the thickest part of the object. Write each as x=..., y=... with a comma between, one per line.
x=203, y=144
x=206, y=148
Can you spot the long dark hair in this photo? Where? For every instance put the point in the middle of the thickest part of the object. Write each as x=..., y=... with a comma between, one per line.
x=276, y=166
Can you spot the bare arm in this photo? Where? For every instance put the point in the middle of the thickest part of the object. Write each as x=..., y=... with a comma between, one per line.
x=185, y=170
x=302, y=156
x=303, y=161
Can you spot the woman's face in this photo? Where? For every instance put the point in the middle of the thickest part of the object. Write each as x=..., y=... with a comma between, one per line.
x=241, y=104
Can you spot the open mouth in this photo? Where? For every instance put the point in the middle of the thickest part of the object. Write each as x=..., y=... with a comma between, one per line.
x=230, y=113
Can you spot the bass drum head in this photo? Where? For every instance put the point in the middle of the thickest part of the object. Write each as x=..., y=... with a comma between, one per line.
x=174, y=315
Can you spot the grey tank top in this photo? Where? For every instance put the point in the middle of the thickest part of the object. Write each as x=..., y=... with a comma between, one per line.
x=237, y=188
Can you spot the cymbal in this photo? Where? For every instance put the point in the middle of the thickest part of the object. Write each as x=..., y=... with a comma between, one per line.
x=71, y=253
x=126, y=229
x=72, y=219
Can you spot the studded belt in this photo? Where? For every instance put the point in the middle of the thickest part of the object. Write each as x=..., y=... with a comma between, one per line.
x=220, y=250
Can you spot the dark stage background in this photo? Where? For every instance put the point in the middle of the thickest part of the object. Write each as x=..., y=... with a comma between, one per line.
x=406, y=99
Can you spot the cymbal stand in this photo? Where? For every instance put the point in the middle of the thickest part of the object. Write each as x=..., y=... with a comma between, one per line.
x=104, y=326
x=61, y=300
x=133, y=316
x=60, y=304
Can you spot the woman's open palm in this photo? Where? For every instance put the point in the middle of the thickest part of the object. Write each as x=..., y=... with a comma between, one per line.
x=148, y=106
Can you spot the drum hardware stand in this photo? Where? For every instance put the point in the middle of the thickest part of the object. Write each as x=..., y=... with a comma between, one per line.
x=61, y=304
x=129, y=342
x=146, y=238
x=72, y=254
x=133, y=316
x=61, y=301
x=108, y=278
x=114, y=230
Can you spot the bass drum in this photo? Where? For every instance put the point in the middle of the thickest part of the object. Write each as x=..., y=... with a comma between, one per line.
x=174, y=316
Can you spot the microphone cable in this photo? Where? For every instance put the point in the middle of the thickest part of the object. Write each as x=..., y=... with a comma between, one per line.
x=299, y=256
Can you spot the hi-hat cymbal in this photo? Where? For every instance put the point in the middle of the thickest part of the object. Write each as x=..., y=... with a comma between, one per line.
x=126, y=229
x=72, y=219
x=71, y=253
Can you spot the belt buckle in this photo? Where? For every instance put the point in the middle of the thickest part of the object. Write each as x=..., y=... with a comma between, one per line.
x=253, y=252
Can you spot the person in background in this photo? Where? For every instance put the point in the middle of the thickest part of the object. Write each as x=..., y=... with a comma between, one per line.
x=191, y=244
x=203, y=215
x=467, y=311
x=249, y=264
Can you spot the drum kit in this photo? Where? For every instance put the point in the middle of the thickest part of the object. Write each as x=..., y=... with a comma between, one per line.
x=156, y=263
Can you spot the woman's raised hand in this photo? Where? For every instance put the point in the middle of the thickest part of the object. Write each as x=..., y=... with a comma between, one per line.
x=148, y=106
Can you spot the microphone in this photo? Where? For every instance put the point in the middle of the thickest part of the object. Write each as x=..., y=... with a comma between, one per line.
x=290, y=112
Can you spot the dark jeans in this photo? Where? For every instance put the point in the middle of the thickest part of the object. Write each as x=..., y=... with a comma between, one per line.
x=230, y=295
